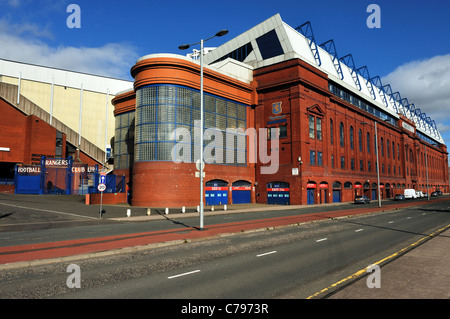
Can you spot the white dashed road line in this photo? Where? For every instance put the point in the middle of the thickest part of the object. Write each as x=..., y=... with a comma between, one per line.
x=183, y=274
x=268, y=253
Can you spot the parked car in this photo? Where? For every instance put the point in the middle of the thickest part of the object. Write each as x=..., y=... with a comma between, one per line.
x=410, y=193
x=399, y=197
x=362, y=200
x=434, y=194
x=439, y=193
x=419, y=194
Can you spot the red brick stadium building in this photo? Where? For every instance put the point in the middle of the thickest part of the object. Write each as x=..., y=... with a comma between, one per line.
x=319, y=110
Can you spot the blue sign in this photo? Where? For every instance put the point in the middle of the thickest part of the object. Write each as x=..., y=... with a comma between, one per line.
x=102, y=179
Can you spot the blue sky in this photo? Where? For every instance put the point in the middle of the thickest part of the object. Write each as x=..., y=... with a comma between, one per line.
x=411, y=50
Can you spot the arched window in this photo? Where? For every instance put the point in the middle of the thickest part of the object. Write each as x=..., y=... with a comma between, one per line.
x=337, y=185
x=341, y=133
x=351, y=137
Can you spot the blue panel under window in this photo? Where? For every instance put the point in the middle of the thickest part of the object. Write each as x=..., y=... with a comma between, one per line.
x=269, y=45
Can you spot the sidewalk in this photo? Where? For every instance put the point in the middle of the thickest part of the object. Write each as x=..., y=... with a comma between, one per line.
x=421, y=273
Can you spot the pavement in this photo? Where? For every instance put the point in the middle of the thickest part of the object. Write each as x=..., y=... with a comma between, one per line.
x=418, y=271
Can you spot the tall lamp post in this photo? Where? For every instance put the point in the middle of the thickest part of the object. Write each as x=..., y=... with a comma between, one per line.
x=378, y=168
x=426, y=169
x=184, y=47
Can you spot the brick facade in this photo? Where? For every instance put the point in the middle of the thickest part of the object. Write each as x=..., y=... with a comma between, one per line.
x=287, y=96
x=28, y=137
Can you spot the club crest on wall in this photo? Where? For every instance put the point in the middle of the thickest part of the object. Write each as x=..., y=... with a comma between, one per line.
x=276, y=108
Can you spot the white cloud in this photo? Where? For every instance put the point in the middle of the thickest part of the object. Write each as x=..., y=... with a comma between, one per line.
x=426, y=83
x=25, y=43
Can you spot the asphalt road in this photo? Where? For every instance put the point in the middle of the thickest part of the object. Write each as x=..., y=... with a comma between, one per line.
x=290, y=262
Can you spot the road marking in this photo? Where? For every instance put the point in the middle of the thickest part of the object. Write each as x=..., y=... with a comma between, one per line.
x=49, y=211
x=318, y=240
x=358, y=230
x=424, y=214
x=391, y=222
x=408, y=217
x=270, y=252
x=184, y=274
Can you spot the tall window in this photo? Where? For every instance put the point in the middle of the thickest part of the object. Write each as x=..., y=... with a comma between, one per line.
x=387, y=148
x=351, y=137
x=382, y=147
x=342, y=162
x=368, y=144
x=312, y=158
x=331, y=131
x=393, y=150
x=319, y=128
x=319, y=158
x=341, y=134
x=125, y=125
x=311, y=126
x=360, y=140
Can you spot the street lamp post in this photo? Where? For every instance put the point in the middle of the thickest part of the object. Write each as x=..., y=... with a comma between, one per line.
x=184, y=47
x=426, y=169
x=377, y=163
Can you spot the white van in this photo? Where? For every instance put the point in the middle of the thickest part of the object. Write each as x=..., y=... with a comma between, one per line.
x=410, y=193
x=419, y=194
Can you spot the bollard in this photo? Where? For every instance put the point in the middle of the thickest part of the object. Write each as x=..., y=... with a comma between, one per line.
x=183, y=209
x=149, y=211
x=212, y=208
x=128, y=212
x=198, y=208
x=224, y=207
x=167, y=211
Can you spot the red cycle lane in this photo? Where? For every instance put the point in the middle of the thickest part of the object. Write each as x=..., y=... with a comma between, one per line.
x=49, y=250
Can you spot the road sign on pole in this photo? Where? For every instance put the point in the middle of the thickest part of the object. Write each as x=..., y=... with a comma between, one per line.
x=101, y=187
x=102, y=178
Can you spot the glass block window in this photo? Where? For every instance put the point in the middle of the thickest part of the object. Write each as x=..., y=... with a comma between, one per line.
x=124, y=140
x=167, y=115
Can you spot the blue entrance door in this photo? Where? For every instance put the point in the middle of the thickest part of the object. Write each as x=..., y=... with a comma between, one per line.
x=216, y=192
x=218, y=196
x=310, y=196
x=241, y=192
x=336, y=196
x=374, y=194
